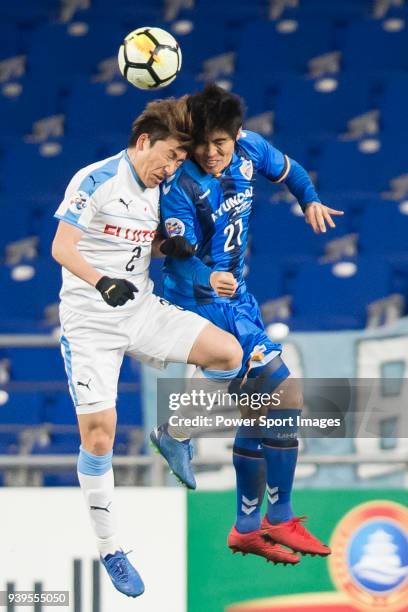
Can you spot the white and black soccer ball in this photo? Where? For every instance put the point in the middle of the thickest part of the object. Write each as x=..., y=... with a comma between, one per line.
x=149, y=58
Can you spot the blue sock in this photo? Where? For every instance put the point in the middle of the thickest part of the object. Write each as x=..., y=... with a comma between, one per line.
x=249, y=467
x=280, y=447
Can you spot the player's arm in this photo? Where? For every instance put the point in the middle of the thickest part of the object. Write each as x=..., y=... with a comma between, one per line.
x=177, y=247
x=65, y=252
x=115, y=291
x=279, y=168
x=178, y=221
x=301, y=186
x=74, y=214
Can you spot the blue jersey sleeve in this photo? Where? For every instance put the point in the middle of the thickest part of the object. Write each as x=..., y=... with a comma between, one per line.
x=278, y=168
x=268, y=161
x=177, y=216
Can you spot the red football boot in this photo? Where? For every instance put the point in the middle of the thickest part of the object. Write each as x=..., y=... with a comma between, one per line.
x=256, y=544
x=294, y=535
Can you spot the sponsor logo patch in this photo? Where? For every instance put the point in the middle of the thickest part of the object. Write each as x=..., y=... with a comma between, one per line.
x=247, y=169
x=78, y=202
x=175, y=227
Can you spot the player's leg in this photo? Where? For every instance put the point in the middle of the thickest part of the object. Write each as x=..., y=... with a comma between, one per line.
x=95, y=475
x=280, y=448
x=93, y=368
x=180, y=336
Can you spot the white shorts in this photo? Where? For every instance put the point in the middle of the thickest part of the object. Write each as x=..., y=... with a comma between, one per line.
x=93, y=347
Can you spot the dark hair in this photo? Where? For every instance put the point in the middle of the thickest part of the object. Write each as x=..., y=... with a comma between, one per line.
x=215, y=109
x=162, y=119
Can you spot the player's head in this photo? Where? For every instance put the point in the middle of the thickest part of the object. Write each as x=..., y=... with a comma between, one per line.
x=160, y=140
x=216, y=117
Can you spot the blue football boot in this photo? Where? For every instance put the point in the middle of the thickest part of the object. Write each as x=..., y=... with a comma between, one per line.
x=177, y=454
x=123, y=575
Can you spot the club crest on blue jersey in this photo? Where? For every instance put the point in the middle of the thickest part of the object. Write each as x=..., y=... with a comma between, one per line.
x=78, y=201
x=247, y=169
x=370, y=555
x=174, y=227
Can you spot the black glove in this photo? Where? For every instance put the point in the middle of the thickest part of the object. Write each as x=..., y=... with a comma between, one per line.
x=116, y=291
x=177, y=247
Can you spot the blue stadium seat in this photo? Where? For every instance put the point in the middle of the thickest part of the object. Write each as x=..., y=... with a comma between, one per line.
x=265, y=279
x=58, y=407
x=383, y=229
x=30, y=297
x=394, y=98
x=267, y=52
x=30, y=13
x=278, y=233
x=9, y=442
x=22, y=408
x=59, y=443
x=45, y=178
x=369, y=48
x=344, y=169
x=324, y=301
x=36, y=364
x=16, y=222
x=9, y=36
x=39, y=99
x=346, y=9
x=323, y=114
x=129, y=409
x=72, y=55
x=60, y=479
x=90, y=111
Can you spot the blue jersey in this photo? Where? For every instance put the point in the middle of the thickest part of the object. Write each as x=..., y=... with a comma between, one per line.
x=213, y=213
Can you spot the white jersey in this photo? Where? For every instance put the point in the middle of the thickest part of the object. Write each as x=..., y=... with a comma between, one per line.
x=119, y=218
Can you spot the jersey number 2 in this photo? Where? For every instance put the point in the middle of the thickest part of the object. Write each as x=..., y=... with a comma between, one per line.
x=137, y=252
x=233, y=232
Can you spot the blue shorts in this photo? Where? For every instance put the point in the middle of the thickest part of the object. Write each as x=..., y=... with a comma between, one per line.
x=242, y=318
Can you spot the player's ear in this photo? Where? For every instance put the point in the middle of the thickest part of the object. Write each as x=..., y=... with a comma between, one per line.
x=239, y=133
x=142, y=142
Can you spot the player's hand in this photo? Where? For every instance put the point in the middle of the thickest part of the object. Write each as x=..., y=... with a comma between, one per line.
x=317, y=215
x=116, y=291
x=178, y=247
x=223, y=283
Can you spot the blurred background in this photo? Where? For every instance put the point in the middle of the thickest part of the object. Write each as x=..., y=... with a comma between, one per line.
x=327, y=83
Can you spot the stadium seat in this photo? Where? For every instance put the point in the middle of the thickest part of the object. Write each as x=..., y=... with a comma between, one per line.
x=383, y=229
x=45, y=177
x=394, y=98
x=9, y=442
x=324, y=301
x=39, y=99
x=92, y=112
x=22, y=408
x=283, y=236
x=370, y=48
x=344, y=10
x=265, y=280
x=58, y=406
x=344, y=170
x=36, y=364
x=72, y=54
x=129, y=409
x=323, y=114
x=277, y=52
x=31, y=296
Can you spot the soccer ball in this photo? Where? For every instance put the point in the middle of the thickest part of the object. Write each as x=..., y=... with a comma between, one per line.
x=149, y=58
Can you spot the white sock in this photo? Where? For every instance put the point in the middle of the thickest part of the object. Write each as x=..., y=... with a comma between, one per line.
x=98, y=493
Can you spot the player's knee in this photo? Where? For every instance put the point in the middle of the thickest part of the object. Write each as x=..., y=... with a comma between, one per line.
x=97, y=440
x=291, y=394
x=232, y=352
x=99, y=443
